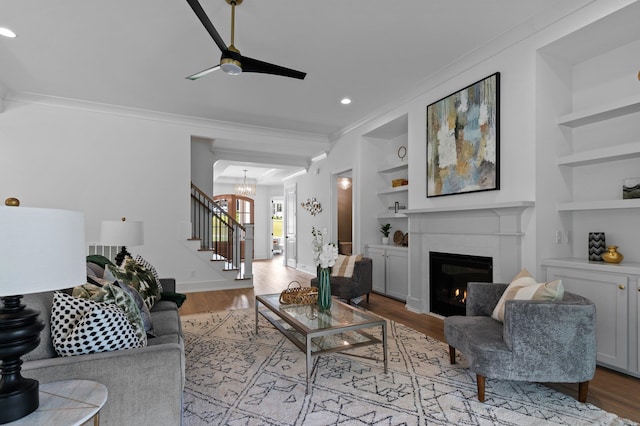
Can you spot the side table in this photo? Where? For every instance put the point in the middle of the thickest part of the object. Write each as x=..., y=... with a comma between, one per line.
x=67, y=403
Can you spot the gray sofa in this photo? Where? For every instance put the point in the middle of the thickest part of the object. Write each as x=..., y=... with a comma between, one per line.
x=145, y=384
x=539, y=341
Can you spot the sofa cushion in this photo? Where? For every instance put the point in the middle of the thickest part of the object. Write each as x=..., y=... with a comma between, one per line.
x=525, y=287
x=80, y=326
x=41, y=302
x=166, y=322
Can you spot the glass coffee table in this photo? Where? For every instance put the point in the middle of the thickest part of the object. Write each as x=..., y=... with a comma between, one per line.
x=315, y=332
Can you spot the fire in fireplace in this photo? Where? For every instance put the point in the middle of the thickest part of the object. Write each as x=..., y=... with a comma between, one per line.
x=448, y=278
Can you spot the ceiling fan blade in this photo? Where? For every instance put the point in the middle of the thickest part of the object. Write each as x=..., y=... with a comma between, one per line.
x=254, y=65
x=195, y=5
x=203, y=72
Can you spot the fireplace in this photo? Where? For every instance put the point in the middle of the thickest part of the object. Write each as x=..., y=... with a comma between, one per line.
x=448, y=278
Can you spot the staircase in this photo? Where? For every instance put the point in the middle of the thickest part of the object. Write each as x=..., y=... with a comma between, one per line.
x=221, y=238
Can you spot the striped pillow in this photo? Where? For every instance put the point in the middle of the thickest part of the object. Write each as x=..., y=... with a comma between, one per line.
x=344, y=266
x=525, y=287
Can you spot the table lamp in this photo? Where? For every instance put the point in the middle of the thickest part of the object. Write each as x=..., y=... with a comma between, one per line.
x=41, y=250
x=122, y=233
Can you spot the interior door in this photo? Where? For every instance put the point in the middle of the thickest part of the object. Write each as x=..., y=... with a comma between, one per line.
x=290, y=225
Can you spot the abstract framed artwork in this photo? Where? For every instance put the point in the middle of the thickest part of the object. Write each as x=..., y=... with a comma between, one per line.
x=463, y=140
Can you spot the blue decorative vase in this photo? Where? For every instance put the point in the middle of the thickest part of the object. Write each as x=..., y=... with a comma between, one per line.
x=324, y=290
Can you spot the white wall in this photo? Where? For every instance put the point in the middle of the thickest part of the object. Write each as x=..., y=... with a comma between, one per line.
x=202, y=161
x=106, y=166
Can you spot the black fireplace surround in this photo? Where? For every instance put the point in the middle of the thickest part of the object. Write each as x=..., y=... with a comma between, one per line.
x=449, y=274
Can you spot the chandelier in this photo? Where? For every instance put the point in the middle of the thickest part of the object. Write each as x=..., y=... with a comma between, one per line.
x=245, y=189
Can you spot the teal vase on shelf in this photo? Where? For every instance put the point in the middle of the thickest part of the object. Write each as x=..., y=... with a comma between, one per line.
x=324, y=290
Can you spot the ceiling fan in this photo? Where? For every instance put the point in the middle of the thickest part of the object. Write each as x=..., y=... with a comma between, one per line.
x=231, y=61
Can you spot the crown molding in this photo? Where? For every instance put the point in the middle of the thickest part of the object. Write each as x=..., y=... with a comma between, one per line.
x=228, y=129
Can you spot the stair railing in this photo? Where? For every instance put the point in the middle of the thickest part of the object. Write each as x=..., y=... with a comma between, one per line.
x=217, y=231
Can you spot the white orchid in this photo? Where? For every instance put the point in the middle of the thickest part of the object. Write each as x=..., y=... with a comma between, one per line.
x=324, y=255
x=329, y=255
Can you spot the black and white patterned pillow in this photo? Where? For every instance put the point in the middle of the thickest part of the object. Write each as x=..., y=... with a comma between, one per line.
x=80, y=326
x=149, y=267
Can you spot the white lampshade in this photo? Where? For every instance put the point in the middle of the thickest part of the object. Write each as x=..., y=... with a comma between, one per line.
x=122, y=233
x=41, y=250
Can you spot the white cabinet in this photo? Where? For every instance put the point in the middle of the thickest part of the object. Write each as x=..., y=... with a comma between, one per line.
x=614, y=290
x=390, y=270
x=379, y=279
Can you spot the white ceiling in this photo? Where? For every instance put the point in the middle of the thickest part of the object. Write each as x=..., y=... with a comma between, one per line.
x=138, y=53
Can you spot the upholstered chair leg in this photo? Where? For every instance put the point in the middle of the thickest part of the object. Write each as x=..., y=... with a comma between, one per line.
x=480, y=388
x=452, y=354
x=367, y=298
x=583, y=389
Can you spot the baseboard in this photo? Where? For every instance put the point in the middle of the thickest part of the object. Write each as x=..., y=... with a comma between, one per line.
x=198, y=286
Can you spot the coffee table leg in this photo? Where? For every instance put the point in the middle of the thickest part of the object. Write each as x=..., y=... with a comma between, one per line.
x=384, y=344
x=257, y=316
x=308, y=364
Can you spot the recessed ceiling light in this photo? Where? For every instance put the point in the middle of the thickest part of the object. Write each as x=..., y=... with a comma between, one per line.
x=7, y=32
x=345, y=101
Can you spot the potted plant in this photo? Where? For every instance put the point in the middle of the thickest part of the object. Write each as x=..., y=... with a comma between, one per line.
x=385, y=232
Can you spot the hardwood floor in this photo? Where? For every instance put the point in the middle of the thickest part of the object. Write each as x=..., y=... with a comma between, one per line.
x=609, y=390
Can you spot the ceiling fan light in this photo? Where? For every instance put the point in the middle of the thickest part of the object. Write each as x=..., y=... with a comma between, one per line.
x=231, y=66
x=7, y=32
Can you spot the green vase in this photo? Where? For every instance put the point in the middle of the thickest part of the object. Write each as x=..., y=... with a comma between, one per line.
x=324, y=290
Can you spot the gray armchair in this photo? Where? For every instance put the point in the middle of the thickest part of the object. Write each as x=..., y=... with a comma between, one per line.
x=359, y=284
x=539, y=341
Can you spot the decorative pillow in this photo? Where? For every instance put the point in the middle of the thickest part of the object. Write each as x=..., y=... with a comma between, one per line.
x=99, y=260
x=344, y=266
x=138, y=277
x=80, y=326
x=149, y=267
x=525, y=287
x=107, y=292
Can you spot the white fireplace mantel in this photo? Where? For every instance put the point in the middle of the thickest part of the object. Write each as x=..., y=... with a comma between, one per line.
x=495, y=207
x=492, y=230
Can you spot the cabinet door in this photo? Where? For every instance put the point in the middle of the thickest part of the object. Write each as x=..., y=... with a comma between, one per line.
x=397, y=274
x=609, y=292
x=378, y=261
x=637, y=323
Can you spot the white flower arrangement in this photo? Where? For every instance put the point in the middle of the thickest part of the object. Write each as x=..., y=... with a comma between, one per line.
x=324, y=255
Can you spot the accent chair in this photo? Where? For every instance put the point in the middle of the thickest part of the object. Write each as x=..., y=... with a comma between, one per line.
x=539, y=341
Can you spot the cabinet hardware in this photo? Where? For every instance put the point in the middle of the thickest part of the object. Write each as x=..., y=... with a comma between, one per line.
x=621, y=286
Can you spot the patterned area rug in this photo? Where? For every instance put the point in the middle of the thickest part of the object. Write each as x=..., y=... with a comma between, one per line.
x=238, y=377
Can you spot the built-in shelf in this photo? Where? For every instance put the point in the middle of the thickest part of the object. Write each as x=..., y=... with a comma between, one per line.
x=388, y=247
x=391, y=215
x=601, y=113
x=602, y=155
x=394, y=168
x=599, y=205
x=397, y=189
x=632, y=268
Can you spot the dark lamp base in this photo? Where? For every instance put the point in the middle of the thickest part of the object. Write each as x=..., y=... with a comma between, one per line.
x=122, y=255
x=19, y=403
x=19, y=334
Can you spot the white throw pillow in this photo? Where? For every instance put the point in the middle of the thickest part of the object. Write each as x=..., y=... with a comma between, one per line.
x=80, y=326
x=525, y=287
